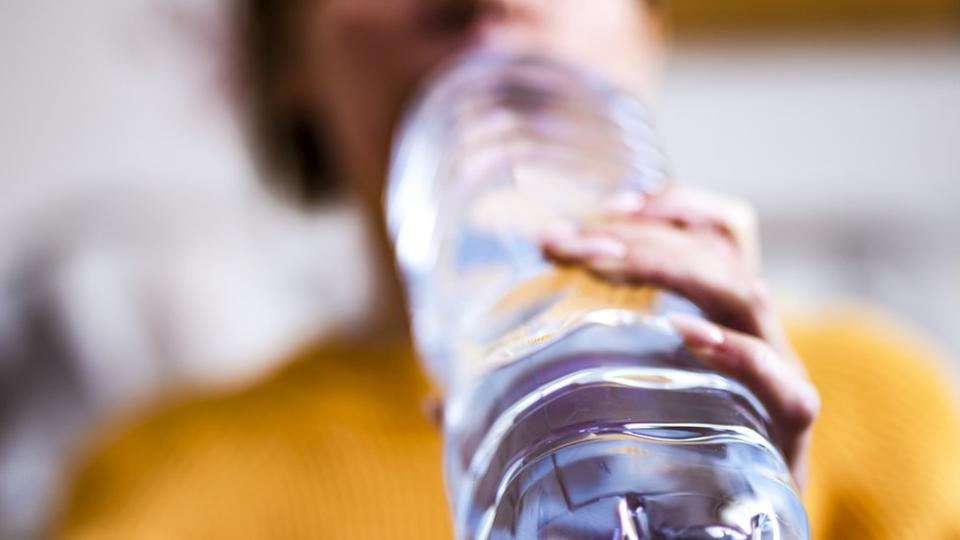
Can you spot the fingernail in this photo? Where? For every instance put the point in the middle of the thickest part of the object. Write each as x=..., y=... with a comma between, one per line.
x=696, y=331
x=559, y=231
x=627, y=202
x=611, y=268
x=603, y=247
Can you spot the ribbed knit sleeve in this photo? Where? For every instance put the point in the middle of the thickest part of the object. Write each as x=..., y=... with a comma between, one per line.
x=886, y=450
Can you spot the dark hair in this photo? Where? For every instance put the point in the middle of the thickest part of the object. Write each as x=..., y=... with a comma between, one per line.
x=291, y=147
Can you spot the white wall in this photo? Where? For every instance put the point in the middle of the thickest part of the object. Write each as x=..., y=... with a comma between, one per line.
x=849, y=149
x=136, y=247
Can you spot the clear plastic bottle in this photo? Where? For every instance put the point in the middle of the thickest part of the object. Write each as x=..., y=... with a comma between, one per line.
x=571, y=409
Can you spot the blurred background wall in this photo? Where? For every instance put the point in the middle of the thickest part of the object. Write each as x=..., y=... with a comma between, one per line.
x=138, y=253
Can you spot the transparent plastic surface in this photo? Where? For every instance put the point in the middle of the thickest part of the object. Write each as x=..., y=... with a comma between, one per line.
x=571, y=409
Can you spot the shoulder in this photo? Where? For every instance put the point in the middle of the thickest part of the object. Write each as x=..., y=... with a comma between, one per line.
x=884, y=452
x=865, y=358
x=164, y=467
x=173, y=464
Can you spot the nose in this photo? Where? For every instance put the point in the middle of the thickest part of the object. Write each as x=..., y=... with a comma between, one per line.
x=451, y=14
x=464, y=13
x=514, y=25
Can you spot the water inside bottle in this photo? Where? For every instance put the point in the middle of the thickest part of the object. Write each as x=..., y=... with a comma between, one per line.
x=557, y=444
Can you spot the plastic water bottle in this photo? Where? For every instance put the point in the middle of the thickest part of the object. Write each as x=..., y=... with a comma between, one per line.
x=571, y=409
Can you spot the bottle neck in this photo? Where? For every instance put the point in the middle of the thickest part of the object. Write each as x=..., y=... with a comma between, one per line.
x=497, y=149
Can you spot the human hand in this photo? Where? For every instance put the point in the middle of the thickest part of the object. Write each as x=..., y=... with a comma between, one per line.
x=704, y=247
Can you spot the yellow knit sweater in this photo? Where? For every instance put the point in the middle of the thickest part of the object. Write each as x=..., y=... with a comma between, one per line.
x=335, y=445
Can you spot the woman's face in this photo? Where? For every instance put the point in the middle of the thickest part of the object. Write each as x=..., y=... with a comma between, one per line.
x=362, y=59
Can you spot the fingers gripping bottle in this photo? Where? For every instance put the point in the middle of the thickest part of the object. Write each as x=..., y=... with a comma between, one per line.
x=571, y=410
